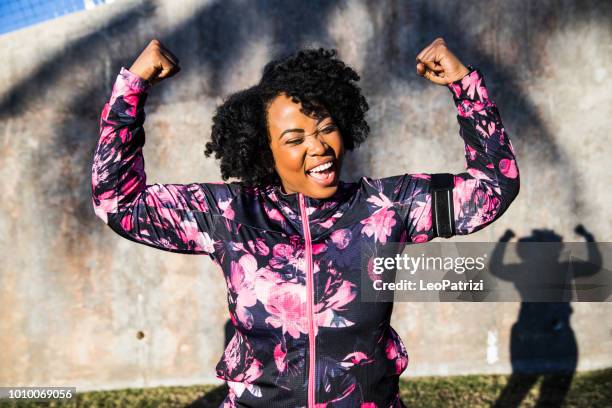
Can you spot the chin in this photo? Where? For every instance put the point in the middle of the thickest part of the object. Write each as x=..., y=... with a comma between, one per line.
x=330, y=192
x=323, y=192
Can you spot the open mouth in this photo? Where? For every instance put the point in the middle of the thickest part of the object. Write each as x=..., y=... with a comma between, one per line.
x=324, y=174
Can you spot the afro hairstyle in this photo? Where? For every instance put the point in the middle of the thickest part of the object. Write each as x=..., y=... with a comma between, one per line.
x=322, y=83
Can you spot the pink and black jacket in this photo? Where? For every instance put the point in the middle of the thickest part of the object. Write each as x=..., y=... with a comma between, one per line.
x=292, y=263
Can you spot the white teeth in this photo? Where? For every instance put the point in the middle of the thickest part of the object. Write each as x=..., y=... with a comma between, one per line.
x=321, y=167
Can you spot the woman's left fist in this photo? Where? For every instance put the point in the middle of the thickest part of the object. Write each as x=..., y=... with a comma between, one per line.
x=438, y=64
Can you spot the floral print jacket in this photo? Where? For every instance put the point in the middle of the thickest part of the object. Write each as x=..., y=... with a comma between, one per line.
x=292, y=263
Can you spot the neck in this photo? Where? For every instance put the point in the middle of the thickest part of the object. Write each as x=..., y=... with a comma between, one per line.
x=286, y=191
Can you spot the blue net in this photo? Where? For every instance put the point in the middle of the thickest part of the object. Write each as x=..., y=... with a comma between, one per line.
x=16, y=14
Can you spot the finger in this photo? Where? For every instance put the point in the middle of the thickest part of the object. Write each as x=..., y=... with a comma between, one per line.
x=154, y=77
x=165, y=61
x=433, y=66
x=168, y=71
x=433, y=55
x=170, y=55
x=174, y=71
x=421, y=54
x=429, y=57
x=430, y=75
x=166, y=53
x=427, y=50
x=420, y=69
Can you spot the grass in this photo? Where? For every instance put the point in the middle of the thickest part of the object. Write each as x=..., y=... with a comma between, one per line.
x=591, y=389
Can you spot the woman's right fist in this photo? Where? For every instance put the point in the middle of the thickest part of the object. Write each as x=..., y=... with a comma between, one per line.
x=155, y=63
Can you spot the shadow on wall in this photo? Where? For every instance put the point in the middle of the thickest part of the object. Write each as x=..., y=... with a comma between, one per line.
x=214, y=39
x=542, y=341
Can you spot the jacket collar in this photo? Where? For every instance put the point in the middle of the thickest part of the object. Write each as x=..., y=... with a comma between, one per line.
x=322, y=213
x=269, y=209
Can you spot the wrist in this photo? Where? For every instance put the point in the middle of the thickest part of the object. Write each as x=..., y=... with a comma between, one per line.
x=469, y=89
x=461, y=73
x=134, y=81
x=143, y=75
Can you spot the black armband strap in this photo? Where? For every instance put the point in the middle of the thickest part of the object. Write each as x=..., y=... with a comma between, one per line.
x=443, y=215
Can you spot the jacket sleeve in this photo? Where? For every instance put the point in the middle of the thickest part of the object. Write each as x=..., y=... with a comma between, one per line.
x=173, y=217
x=491, y=181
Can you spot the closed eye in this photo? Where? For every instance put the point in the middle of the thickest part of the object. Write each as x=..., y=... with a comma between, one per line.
x=329, y=129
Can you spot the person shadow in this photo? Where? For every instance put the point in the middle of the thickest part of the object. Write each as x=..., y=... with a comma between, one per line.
x=542, y=341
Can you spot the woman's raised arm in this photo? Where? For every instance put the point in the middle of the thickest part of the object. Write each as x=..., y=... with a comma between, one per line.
x=491, y=182
x=172, y=217
x=482, y=193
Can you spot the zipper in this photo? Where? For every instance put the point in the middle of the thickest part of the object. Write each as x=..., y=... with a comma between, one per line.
x=309, y=289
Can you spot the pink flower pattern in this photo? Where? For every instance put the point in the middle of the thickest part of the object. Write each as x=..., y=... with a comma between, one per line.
x=379, y=225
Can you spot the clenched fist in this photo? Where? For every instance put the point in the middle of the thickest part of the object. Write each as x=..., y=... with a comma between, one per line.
x=155, y=63
x=438, y=64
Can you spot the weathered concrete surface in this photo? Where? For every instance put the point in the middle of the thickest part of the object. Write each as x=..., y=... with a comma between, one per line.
x=74, y=295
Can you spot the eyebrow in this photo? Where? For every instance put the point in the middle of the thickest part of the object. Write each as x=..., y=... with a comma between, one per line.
x=301, y=130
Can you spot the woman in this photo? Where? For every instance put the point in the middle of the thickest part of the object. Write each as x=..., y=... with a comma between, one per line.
x=289, y=234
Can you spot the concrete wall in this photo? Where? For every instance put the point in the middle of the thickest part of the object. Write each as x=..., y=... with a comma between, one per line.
x=74, y=295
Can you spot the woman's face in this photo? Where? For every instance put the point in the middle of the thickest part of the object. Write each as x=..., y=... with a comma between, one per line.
x=307, y=151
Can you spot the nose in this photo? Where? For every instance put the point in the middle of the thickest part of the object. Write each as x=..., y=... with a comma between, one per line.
x=316, y=145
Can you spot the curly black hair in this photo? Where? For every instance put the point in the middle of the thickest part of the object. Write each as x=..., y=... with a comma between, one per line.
x=323, y=84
